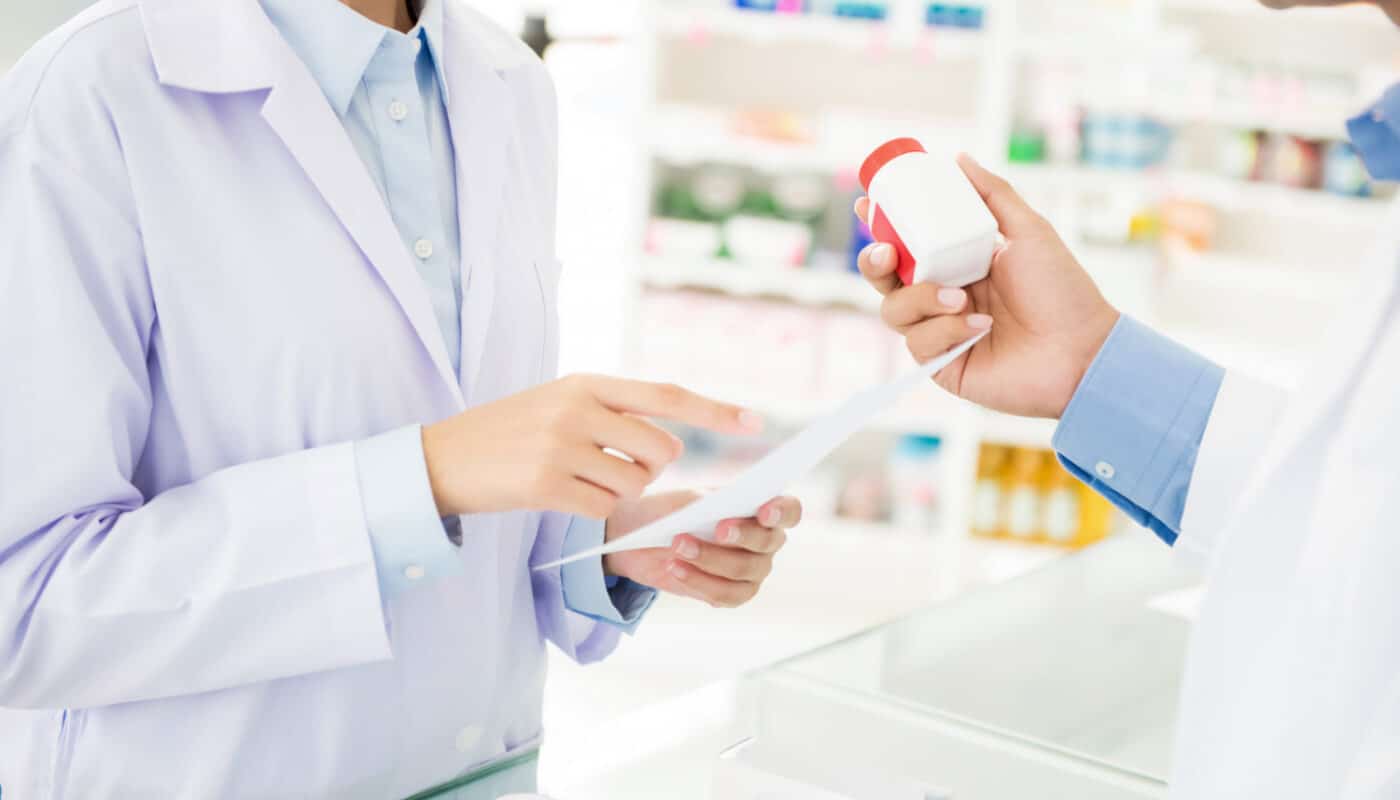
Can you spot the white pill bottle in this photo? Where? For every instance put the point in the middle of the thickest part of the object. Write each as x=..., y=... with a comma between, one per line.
x=927, y=208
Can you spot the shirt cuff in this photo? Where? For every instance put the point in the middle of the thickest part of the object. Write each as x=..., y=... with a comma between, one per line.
x=1134, y=426
x=410, y=541
x=616, y=601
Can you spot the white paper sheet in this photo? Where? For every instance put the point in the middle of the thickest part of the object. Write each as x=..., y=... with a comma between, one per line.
x=767, y=478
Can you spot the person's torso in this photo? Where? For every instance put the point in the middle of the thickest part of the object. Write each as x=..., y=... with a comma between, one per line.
x=1293, y=684
x=279, y=331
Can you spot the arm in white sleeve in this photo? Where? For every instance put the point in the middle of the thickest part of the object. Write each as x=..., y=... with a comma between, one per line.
x=252, y=573
x=1241, y=425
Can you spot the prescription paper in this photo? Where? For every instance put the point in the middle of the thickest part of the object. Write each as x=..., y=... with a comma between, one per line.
x=769, y=477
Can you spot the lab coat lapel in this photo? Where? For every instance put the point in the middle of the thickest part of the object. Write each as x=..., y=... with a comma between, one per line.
x=299, y=113
x=481, y=112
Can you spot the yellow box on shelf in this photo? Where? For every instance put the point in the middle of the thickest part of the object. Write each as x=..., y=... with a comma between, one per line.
x=1023, y=494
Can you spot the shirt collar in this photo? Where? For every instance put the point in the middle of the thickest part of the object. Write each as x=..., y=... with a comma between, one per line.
x=1376, y=136
x=337, y=44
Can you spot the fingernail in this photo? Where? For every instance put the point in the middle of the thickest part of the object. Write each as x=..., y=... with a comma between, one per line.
x=677, y=570
x=730, y=534
x=952, y=298
x=882, y=256
x=688, y=549
x=979, y=322
x=751, y=421
x=771, y=516
x=679, y=443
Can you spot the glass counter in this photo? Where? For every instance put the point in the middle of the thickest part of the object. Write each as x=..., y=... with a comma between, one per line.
x=1067, y=677
x=1062, y=683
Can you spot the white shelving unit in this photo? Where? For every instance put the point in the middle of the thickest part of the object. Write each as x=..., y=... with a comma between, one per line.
x=857, y=83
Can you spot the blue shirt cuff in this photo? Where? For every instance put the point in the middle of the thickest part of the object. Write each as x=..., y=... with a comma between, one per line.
x=1134, y=426
x=616, y=601
x=411, y=544
x=1376, y=136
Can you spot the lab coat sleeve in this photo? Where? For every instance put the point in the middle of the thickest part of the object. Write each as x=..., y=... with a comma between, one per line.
x=581, y=638
x=1241, y=425
x=249, y=574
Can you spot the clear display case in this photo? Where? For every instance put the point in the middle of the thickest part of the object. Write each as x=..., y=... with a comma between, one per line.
x=1062, y=683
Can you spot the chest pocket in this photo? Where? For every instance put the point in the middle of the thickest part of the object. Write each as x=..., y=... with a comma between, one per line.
x=520, y=346
x=549, y=271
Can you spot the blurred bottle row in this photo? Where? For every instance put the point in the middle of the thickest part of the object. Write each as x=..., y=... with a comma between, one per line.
x=731, y=212
x=776, y=355
x=1130, y=141
x=1025, y=495
x=943, y=15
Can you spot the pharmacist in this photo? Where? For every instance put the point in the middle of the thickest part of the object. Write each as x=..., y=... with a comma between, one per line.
x=279, y=439
x=1293, y=683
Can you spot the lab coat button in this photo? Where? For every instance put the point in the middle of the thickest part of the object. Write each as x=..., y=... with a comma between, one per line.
x=423, y=249
x=468, y=738
x=414, y=573
x=1105, y=470
x=398, y=111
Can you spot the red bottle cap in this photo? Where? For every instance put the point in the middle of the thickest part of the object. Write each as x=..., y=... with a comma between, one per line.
x=883, y=155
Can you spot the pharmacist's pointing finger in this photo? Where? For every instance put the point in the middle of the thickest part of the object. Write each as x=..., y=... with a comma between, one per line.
x=932, y=338
x=1014, y=216
x=914, y=304
x=878, y=263
x=669, y=401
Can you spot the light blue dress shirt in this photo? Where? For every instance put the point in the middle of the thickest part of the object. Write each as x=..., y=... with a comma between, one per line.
x=390, y=93
x=1135, y=425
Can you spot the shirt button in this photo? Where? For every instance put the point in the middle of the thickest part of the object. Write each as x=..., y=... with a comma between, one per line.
x=398, y=111
x=467, y=738
x=1105, y=470
x=423, y=249
x=414, y=573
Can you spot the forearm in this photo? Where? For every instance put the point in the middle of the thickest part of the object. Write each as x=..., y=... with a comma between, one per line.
x=204, y=587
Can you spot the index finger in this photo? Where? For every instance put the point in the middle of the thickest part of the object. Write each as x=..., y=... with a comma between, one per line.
x=672, y=402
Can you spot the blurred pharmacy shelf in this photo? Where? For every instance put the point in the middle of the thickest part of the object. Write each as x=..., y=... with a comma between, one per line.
x=1348, y=16
x=1313, y=206
x=1168, y=104
x=806, y=287
x=698, y=23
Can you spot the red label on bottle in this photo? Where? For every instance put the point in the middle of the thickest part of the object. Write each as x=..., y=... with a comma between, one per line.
x=883, y=231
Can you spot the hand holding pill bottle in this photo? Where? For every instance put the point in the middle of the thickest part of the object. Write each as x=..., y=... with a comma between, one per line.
x=959, y=253
x=925, y=206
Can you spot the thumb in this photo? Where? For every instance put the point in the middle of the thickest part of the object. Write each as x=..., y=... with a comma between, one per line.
x=1012, y=214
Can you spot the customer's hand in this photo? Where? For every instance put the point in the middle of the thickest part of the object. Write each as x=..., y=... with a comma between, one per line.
x=724, y=574
x=1050, y=319
x=544, y=449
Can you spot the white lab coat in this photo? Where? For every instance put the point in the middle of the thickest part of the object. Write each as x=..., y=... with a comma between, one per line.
x=1292, y=687
x=203, y=303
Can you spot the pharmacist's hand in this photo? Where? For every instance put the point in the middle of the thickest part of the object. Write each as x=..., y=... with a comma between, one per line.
x=543, y=449
x=1050, y=319
x=726, y=574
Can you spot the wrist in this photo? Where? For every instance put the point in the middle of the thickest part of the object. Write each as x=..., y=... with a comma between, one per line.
x=1095, y=334
x=434, y=448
